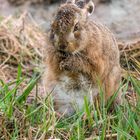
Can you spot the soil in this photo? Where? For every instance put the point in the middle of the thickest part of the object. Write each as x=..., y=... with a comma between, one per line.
x=121, y=16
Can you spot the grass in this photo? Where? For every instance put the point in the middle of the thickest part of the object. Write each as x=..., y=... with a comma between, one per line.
x=20, y=119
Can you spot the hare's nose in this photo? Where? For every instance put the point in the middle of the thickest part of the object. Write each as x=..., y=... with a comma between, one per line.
x=62, y=46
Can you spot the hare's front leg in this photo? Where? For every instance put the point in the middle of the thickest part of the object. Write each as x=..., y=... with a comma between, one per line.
x=75, y=64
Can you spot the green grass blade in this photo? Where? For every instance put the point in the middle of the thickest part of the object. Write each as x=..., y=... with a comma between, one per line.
x=11, y=92
x=19, y=72
x=136, y=130
x=128, y=136
x=103, y=131
x=87, y=110
x=27, y=91
x=136, y=85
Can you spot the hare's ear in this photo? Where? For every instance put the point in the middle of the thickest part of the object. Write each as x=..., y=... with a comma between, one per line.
x=86, y=5
x=81, y=3
x=70, y=1
x=89, y=7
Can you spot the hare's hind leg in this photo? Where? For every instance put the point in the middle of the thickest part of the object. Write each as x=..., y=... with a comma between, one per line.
x=112, y=85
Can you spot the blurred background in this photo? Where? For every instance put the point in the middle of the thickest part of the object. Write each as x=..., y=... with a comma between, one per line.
x=121, y=16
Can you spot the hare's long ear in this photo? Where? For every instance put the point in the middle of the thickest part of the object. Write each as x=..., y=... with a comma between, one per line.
x=90, y=7
x=81, y=3
x=86, y=5
x=70, y=1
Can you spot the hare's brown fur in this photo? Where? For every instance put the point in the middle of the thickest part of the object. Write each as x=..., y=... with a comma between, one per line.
x=79, y=47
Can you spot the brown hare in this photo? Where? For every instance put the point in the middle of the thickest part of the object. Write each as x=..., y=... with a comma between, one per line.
x=80, y=52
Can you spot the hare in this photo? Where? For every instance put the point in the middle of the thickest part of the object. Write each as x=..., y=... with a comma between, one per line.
x=80, y=52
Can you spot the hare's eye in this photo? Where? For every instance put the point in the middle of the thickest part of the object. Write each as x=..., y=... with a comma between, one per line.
x=76, y=27
x=51, y=35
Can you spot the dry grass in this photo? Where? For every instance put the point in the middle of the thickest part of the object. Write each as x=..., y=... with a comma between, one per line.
x=21, y=41
x=130, y=57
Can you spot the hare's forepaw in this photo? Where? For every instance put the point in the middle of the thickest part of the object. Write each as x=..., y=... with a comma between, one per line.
x=65, y=65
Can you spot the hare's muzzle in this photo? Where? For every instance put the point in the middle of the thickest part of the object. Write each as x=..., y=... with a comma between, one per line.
x=62, y=47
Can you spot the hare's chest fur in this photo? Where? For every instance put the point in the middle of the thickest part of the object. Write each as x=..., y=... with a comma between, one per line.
x=71, y=94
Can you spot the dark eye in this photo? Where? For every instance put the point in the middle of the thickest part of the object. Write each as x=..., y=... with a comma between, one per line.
x=76, y=27
x=51, y=35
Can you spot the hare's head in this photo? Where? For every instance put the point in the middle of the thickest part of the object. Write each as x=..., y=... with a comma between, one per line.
x=67, y=27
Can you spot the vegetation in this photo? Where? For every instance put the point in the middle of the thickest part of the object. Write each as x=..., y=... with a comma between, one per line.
x=36, y=119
